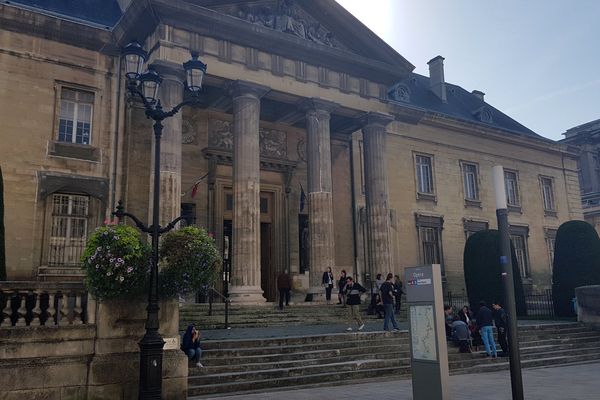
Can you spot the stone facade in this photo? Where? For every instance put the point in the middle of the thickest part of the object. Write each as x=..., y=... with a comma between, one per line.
x=584, y=139
x=291, y=104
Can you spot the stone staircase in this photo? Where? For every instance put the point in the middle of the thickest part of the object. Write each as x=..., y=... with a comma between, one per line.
x=263, y=364
x=268, y=315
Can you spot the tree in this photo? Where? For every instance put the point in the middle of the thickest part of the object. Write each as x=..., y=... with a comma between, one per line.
x=2, y=246
x=576, y=263
x=483, y=272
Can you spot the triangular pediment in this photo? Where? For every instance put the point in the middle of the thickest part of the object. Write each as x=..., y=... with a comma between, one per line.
x=308, y=29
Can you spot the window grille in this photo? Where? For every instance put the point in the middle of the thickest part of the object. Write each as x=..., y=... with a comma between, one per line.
x=69, y=229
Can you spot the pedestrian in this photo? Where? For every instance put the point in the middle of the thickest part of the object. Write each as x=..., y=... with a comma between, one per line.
x=353, y=292
x=284, y=284
x=373, y=305
x=501, y=322
x=387, y=297
x=484, y=323
x=448, y=318
x=398, y=292
x=466, y=315
x=190, y=345
x=341, y=288
x=461, y=335
x=328, y=283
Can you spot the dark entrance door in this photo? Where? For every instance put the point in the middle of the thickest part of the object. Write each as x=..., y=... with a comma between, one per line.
x=227, y=241
x=268, y=275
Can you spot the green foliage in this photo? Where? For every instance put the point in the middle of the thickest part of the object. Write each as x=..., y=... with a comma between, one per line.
x=116, y=262
x=483, y=271
x=189, y=261
x=2, y=245
x=576, y=263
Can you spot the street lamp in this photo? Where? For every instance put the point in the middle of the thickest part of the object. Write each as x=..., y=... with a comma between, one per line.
x=516, y=377
x=145, y=86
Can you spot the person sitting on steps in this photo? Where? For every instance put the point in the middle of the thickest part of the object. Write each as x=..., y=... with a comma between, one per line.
x=190, y=345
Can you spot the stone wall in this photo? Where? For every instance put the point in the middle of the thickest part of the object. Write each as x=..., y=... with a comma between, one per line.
x=96, y=361
x=588, y=304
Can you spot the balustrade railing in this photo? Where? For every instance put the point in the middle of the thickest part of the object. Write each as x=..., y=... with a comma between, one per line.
x=24, y=303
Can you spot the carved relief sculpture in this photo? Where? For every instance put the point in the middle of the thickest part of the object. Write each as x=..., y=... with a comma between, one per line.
x=288, y=17
x=273, y=143
x=220, y=134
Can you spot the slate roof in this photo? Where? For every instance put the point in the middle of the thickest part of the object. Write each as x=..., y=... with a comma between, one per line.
x=460, y=104
x=105, y=12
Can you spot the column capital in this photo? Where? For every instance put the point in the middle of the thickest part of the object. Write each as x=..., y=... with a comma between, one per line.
x=318, y=105
x=241, y=88
x=374, y=118
x=169, y=70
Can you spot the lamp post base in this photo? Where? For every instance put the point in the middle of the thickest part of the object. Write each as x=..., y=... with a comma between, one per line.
x=151, y=356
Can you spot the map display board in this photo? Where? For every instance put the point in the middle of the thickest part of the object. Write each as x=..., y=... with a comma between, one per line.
x=422, y=328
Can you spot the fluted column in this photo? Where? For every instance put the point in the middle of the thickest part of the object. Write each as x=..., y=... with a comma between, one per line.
x=245, y=279
x=376, y=190
x=170, y=94
x=320, y=206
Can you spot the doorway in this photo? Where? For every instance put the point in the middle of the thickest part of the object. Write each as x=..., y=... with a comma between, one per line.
x=268, y=275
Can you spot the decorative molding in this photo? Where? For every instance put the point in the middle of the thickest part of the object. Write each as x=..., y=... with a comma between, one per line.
x=473, y=225
x=51, y=182
x=188, y=134
x=429, y=221
x=225, y=157
x=400, y=92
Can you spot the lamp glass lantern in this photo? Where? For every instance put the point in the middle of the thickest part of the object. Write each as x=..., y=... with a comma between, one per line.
x=150, y=82
x=194, y=73
x=135, y=57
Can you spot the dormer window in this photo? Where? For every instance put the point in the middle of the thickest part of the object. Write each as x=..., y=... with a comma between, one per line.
x=484, y=114
x=400, y=92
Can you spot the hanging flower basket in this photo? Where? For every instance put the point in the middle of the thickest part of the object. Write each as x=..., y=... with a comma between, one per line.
x=189, y=261
x=116, y=262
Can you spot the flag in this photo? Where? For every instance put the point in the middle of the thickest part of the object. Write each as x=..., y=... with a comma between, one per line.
x=195, y=189
x=302, y=198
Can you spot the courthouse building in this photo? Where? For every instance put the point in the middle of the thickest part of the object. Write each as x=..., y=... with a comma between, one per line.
x=315, y=145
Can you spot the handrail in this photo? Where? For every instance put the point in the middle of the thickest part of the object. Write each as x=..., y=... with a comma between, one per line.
x=226, y=300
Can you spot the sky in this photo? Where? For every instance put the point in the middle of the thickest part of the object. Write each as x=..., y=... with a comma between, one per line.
x=536, y=60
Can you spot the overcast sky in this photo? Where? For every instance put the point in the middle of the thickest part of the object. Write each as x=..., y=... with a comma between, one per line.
x=537, y=60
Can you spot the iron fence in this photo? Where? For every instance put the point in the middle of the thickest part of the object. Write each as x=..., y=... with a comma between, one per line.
x=539, y=304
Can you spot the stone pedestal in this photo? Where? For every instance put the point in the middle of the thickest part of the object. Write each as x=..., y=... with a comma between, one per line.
x=320, y=207
x=114, y=367
x=246, y=280
x=376, y=188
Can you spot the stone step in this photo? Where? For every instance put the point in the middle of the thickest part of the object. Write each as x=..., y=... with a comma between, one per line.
x=301, y=380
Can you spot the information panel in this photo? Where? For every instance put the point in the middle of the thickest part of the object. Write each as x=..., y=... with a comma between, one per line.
x=422, y=329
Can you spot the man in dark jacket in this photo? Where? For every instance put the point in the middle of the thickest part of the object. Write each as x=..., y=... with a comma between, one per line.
x=353, y=292
x=484, y=324
x=284, y=284
x=501, y=322
x=387, y=297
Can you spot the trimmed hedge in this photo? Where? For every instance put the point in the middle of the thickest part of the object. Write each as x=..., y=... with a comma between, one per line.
x=2, y=245
x=576, y=263
x=483, y=271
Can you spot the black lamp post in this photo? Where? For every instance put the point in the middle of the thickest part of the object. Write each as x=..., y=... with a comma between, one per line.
x=145, y=86
x=516, y=378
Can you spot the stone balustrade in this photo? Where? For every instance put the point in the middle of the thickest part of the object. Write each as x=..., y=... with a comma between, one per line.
x=24, y=303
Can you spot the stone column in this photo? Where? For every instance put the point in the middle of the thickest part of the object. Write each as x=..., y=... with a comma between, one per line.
x=245, y=282
x=320, y=206
x=170, y=94
x=376, y=190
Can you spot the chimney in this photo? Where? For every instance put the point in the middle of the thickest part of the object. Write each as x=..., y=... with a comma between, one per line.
x=437, y=84
x=480, y=95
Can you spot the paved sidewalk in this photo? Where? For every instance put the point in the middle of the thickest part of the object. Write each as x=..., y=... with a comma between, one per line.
x=573, y=382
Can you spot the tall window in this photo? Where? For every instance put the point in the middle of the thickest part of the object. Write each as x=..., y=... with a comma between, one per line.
x=550, y=234
x=75, y=118
x=69, y=229
x=512, y=188
x=548, y=194
x=470, y=181
x=429, y=230
x=431, y=246
x=424, y=174
x=519, y=242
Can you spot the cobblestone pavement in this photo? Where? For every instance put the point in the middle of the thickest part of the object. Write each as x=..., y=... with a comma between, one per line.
x=573, y=382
